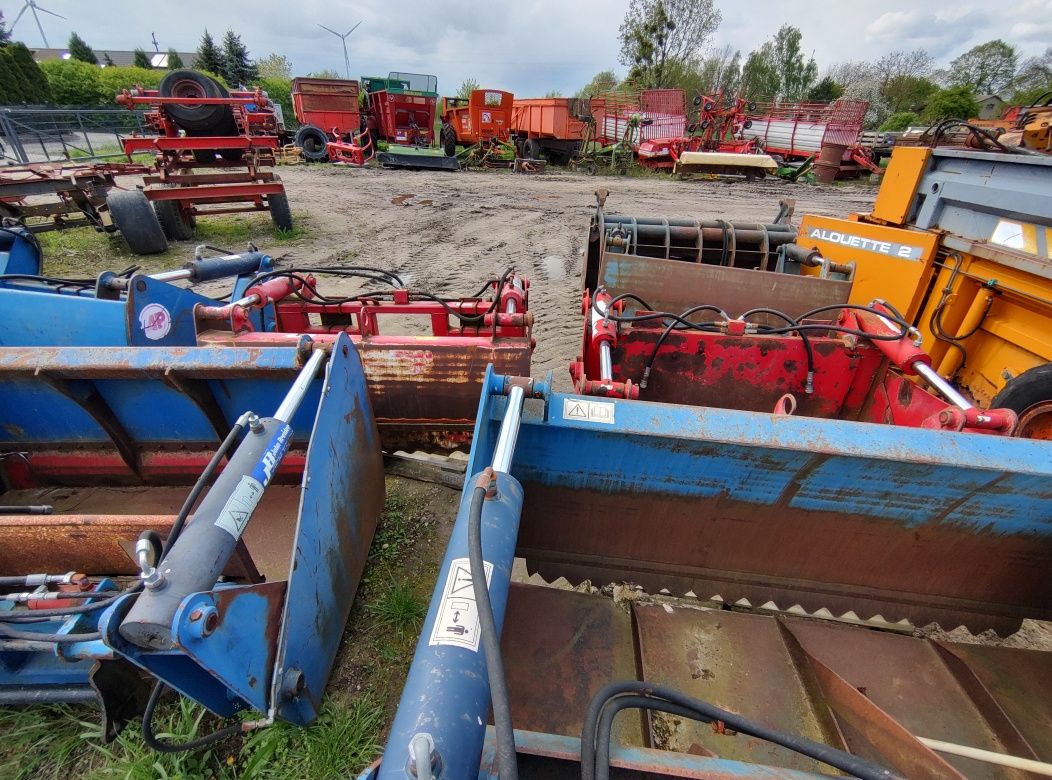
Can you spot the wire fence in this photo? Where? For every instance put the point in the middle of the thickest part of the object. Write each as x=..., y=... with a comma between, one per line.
x=30, y=134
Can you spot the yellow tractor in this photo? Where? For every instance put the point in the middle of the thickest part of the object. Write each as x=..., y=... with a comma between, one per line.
x=960, y=242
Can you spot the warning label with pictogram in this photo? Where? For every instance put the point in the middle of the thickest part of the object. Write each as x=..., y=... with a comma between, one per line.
x=588, y=411
x=457, y=623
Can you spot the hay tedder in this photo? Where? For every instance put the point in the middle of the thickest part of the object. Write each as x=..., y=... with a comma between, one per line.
x=122, y=396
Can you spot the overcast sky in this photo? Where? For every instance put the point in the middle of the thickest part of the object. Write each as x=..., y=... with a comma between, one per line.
x=526, y=46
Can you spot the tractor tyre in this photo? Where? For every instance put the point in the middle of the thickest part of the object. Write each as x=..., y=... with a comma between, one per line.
x=197, y=119
x=177, y=224
x=232, y=155
x=204, y=156
x=313, y=143
x=1030, y=396
x=531, y=149
x=135, y=218
x=280, y=212
x=449, y=141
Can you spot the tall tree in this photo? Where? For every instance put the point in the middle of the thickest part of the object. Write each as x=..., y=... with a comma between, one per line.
x=850, y=74
x=759, y=75
x=603, y=81
x=795, y=75
x=106, y=59
x=274, y=66
x=986, y=68
x=12, y=84
x=656, y=32
x=1033, y=79
x=907, y=93
x=825, y=91
x=209, y=57
x=35, y=85
x=237, y=67
x=79, y=50
x=5, y=34
x=896, y=64
x=721, y=70
x=141, y=59
x=467, y=86
x=175, y=62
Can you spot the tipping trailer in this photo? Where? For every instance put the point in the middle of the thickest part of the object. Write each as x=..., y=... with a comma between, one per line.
x=483, y=118
x=330, y=120
x=776, y=556
x=402, y=107
x=553, y=127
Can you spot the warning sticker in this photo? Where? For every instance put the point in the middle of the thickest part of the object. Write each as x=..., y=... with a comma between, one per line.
x=239, y=507
x=588, y=411
x=457, y=623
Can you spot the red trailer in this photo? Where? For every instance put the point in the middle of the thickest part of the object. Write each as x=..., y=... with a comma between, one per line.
x=552, y=126
x=483, y=118
x=330, y=120
x=402, y=108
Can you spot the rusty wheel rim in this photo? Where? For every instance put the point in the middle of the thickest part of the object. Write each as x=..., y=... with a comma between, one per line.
x=1036, y=422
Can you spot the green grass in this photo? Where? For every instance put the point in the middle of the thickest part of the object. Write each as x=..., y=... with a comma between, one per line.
x=110, y=153
x=60, y=743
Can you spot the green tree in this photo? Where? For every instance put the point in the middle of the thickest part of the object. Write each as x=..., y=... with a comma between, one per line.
x=237, y=67
x=112, y=81
x=825, y=91
x=209, y=57
x=274, y=66
x=957, y=102
x=280, y=91
x=5, y=34
x=986, y=68
x=175, y=62
x=896, y=123
x=325, y=73
x=795, y=75
x=35, y=83
x=759, y=76
x=603, y=81
x=75, y=83
x=12, y=84
x=897, y=64
x=1033, y=78
x=657, y=32
x=720, y=70
x=106, y=60
x=907, y=93
x=467, y=86
x=141, y=59
x=553, y=93
x=79, y=50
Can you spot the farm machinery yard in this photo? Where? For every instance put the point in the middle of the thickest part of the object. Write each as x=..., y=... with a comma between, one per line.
x=750, y=581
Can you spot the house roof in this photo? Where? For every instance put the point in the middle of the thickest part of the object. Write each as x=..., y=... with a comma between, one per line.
x=119, y=58
x=984, y=98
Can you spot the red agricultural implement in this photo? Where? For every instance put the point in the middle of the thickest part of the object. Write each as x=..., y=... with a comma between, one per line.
x=402, y=108
x=552, y=127
x=482, y=120
x=672, y=321
x=57, y=196
x=330, y=121
x=199, y=124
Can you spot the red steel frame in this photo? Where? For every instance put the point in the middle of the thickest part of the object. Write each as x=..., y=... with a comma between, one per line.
x=248, y=187
x=739, y=368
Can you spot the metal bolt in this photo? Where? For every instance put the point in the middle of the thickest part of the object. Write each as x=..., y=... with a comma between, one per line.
x=254, y=423
x=140, y=286
x=211, y=623
x=196, y=615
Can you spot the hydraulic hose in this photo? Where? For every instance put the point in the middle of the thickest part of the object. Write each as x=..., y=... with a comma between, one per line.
x=155, y=743
x=6, y=632
x=704, y=711
x=507, y=768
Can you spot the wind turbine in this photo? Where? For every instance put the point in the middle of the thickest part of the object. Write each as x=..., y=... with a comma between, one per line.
x=32, y=6
x=341, y=36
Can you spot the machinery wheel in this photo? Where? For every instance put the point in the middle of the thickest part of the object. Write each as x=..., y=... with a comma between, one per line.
x=204, y=156
x=1030, y=396
x=697, y=100
x=232, y=155
x=531, y=149
x=178, y=224
x=280, y=213
x=747, y=124
x=197, y=119
x=313, y=141
x=135, y=218
x=449, y=141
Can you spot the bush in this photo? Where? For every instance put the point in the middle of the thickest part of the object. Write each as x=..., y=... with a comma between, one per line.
x=12, y=86
x=36, y=86
x=75, y=83
x=113, y=80
x=280, y=91
x=956, y=102
x=896, y=123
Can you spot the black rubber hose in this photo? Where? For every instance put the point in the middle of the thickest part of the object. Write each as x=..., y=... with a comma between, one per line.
x=198, y=488
x=803, y=335
x=507, y=767
x=36, y=615
x=664, y=335
x=702, y=710
x=6, y=632
x=614, y=706
x=154, y=743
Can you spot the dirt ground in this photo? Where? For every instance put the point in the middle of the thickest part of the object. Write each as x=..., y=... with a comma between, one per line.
x=450, y=232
